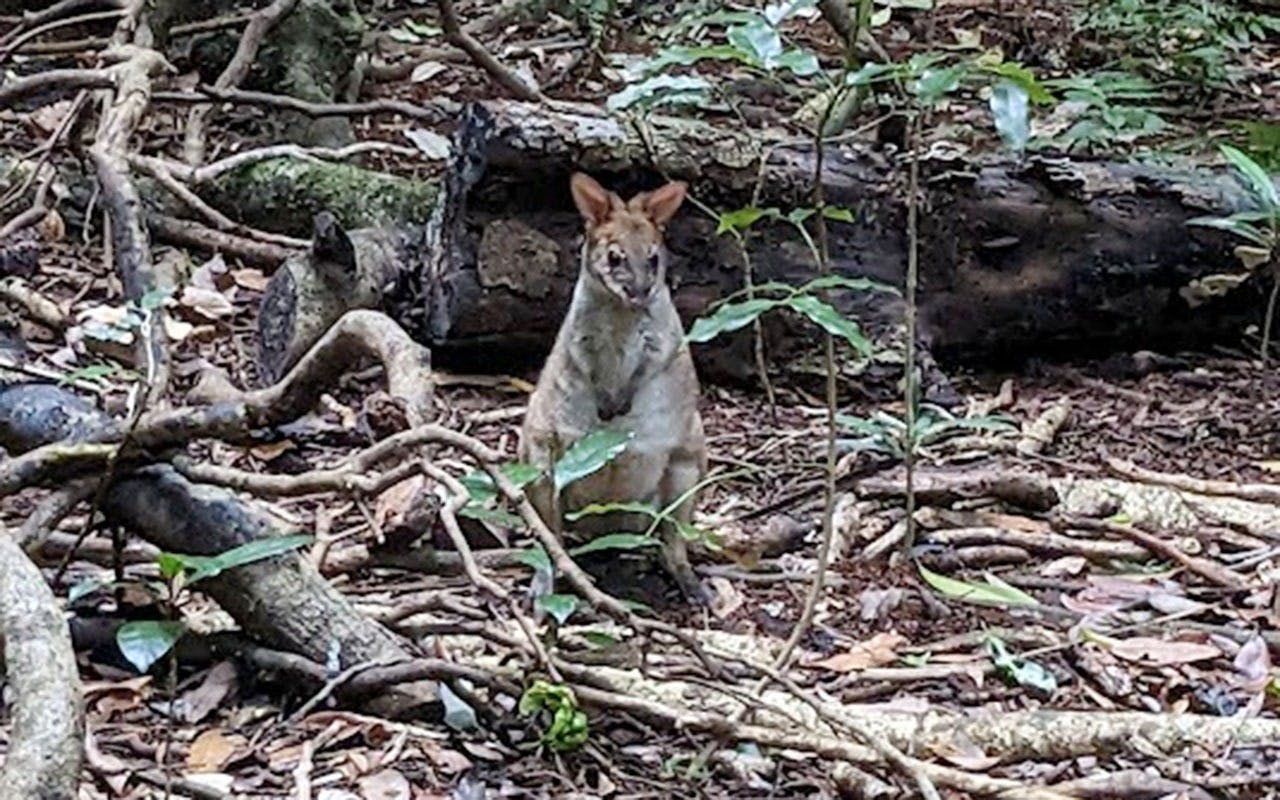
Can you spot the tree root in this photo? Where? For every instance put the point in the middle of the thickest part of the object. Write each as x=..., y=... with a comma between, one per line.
x=43, y=759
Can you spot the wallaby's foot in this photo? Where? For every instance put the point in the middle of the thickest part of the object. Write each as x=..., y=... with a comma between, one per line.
x=675, y=557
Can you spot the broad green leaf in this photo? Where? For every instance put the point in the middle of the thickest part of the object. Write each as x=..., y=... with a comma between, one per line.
x=826, y=317
x=144, y=642
x=615, y=541
x=426, y=31
x=202, y=567
x=86, y=587
x=596, y=509
x=536, y=558
x=660, y=90
x=837, y=213
x=458, y=713
x=687, y=56
x=495, y=516
x=1257, y=179
x=981, y=593
x=759, y=39
x=935, y=84
x=802, y=63
x=729, y=317
x=589, y=454
x=1023, y=78
x=1010, y=111
x=560, y=606
x=480, y=486
x=741, y=219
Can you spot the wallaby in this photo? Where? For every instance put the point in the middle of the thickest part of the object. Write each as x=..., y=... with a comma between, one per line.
x=620, y=359
x=312, y=290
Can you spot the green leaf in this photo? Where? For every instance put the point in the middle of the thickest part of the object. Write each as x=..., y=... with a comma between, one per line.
x=797, y=216
x=153, y=299
x=1235, y=225
x=89, y=373
x=757, y=38
x=729, y=317
x=1022, y=77
x=1010, y=111
x=837, y=213
x=480, y=486
x=826, y=317
x=536, y=558
x=1020, y=670
x=458, y=713
x=870, y=73
x=589, y=454
x=687, y=56
x=982, y=593
x=494, y=516
x=425, y=31
x=560, y=606
x=615, y=541
x=935, y=84
x=802, y=63
x=659, y=90
x=741, y=219
x=86, y=587
x=171, y=565
x=597, y=509
x=777, y=12
x=599, y=639
x=144, y=642
x=1256, y=178
x=852, y=284
x=201, y=567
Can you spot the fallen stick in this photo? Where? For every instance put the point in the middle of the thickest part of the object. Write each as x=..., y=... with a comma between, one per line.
x=1255, y=492
x=1213, y=572
x=1040, y=432
x=189, y=233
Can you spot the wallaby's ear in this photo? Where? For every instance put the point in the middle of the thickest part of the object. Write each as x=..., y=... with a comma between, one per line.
x=662, y=203
x=330, y=243
x=594, y=202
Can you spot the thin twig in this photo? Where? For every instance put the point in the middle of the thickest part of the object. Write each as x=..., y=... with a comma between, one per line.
x=471, y=46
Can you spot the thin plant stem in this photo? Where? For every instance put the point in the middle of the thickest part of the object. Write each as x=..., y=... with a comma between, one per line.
x=1269, y=318
x=913, y=280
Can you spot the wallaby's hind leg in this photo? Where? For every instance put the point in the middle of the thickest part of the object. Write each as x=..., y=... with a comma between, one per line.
x=682, y=475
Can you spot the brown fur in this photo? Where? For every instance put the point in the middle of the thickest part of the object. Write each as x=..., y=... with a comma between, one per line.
x=620, y=359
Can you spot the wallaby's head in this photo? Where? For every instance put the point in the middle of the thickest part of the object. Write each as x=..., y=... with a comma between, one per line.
x=624, y=239
x=332, y=254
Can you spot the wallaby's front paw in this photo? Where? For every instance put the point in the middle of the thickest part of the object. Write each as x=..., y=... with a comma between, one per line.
x=696, y=591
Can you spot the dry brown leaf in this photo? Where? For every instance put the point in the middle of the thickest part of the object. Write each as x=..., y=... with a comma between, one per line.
x=272, y=451
x=1269, y=466
x=877, y=651
x=398, y=501
x=212, y=749
x=1067, y=565
x=726, y=599
x=206, y=304
x=385, y=785
x=1161, y=653
x=1253, y=662
x=46, y=119
x=218, y=684
x=176, y=329
x=51, y=226
x=250, y=278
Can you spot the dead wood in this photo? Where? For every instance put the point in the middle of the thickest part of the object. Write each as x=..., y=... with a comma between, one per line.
x=1254, y=492
x=188, y=233
x=283, y=601
x=44, y=747
x=1209, y=570
x=16, y=89
x=1049, y=543
x=464, y=41
x=1040, y=432
x=197, y=120
x=941, y=487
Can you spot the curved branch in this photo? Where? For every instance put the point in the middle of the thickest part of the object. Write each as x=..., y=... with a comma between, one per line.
x=48, y=716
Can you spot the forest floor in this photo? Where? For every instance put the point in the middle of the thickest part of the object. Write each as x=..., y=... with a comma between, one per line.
x=1144, y=632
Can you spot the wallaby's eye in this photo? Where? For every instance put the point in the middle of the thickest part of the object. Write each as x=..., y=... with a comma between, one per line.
x=615, y=259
